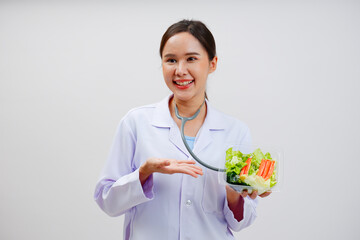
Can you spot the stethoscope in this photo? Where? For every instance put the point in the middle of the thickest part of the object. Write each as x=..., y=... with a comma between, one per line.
x=183, y=121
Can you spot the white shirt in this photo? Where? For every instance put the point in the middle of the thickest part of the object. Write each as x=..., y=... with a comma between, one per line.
x=174, y=206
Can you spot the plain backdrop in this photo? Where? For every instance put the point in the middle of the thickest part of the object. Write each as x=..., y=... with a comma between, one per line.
x=70, y=70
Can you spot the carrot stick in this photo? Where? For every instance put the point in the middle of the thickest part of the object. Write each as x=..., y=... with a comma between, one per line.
x=271, y=170
x=261, y=168
x=246, y=168
x=266, y=170
x=242, y=170
x=248, y=165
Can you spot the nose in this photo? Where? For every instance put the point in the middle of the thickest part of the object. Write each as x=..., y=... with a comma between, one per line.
x=181, y=69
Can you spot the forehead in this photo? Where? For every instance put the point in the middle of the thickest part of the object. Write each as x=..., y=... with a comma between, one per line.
x=181, y=43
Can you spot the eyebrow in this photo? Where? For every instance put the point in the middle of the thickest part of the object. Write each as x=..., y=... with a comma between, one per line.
x=186, y=54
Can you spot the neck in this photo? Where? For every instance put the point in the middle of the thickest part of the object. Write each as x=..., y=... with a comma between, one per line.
x=188, y=108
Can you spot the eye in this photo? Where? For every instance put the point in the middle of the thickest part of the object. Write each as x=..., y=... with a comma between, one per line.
x=170, y=60
x=191, y=59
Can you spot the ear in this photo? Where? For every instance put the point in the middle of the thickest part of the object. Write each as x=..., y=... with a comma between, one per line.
x=213, y=64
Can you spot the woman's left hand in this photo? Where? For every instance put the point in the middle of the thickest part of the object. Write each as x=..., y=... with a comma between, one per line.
x=236, y=200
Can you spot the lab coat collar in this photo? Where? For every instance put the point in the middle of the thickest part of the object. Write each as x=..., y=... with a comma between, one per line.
x=214, y=119
x=162, y=117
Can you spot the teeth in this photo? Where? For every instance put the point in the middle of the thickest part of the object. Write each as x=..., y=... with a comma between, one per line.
x=183, y=83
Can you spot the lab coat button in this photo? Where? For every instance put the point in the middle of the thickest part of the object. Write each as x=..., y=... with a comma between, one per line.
x=188, y=203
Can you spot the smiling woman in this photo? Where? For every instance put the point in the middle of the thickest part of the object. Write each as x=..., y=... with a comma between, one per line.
x=150, y=175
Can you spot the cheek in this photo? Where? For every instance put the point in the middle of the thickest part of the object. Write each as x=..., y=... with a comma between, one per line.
x=167, y=71
x=205, y=70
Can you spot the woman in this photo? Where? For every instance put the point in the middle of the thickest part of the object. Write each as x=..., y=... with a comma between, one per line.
x=138, y=179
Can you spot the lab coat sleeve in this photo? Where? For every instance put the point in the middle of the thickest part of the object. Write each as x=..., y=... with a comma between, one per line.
x=249, y=213
x=119, y=188
x=248, y=218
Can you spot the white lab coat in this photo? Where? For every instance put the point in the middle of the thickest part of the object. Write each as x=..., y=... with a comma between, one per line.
x=174, y=206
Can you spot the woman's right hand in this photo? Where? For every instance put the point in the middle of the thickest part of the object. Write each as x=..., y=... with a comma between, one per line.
x=168, y=166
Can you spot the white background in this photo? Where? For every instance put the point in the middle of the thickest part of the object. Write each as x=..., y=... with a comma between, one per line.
x=69, y=71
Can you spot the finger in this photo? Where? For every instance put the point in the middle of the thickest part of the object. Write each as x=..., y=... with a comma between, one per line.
x=199, y=172
x=186, y=161
x=183, y=169
x=192, y=170
x=265, y=194
x=193, y=167
x=189, y=172
x=190, y=166
x=244, y=193
x=254, y=194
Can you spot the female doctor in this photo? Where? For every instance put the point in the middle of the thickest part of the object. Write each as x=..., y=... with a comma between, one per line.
x=150, y=176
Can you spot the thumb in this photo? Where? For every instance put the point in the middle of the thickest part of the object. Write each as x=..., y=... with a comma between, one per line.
x=165, y=163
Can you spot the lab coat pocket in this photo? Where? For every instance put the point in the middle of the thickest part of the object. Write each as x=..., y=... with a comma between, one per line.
x=213, y=195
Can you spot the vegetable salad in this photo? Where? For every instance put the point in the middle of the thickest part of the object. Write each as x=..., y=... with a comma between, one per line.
x=255, y=169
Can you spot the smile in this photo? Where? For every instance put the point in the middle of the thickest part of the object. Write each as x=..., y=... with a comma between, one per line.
x=183, y=83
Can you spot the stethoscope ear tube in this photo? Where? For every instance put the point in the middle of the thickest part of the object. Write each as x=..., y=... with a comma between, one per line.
x=183, y=121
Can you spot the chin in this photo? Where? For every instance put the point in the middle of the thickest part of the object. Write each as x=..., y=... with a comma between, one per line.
x=185, y=97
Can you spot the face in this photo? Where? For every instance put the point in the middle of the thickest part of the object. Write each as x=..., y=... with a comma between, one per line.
x=186, y=66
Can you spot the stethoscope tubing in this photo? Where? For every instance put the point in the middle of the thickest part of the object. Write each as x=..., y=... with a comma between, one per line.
x=183, y=121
